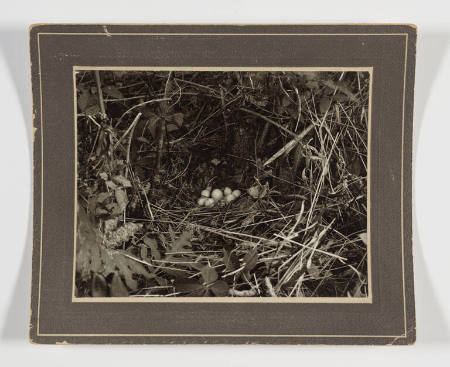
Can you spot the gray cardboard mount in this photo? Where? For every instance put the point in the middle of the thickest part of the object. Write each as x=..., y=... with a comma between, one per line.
x=389, y=49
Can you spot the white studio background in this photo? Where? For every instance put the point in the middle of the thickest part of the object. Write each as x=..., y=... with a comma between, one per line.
x=431, y=178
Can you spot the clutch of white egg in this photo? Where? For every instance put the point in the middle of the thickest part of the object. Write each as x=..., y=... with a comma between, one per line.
x=210, y=198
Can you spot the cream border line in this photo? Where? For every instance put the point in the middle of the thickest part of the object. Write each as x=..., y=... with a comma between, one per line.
x=231, y=34
x=262, y=300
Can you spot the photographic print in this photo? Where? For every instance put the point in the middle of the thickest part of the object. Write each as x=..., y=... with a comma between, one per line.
x=239, y=184
x=225, y=184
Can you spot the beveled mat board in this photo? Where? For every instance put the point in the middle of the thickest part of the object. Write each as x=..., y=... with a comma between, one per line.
x=387, y=50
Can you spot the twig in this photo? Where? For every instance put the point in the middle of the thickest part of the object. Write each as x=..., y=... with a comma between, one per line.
x=289, y=146
x=270, y=287
x=310, y=247
x=133, y=124
x=161, y=126
x=146, y=199
x=100, y=93
x=140, y=105
x=248, y=293
x=269, y=120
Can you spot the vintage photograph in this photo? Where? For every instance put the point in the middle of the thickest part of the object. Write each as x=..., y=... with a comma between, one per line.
x=230, y=183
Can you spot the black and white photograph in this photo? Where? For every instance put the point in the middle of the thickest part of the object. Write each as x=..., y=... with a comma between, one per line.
x=222, y=183
x=241, y=186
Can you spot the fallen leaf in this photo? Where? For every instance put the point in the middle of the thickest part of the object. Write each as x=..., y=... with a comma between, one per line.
x=209, y=275
x=153, y=246
x=171, y=127
x=324, y=105
x=92, y=110
x=118, y=289
x=178, y=118
x=230, y=260
x=111, y=185
x=220, y=288
x=258, y=191
x=286, y=101
x=121, y=198
x=103, y=176
x=120, y=180
x=83, y=99
x=363, y=237
x=99, y=286
x=313, y=271
x=192, y=287
x=143, y=139
x=215, y=161
x=250, y=259
x=340, y=86
x=103, y=196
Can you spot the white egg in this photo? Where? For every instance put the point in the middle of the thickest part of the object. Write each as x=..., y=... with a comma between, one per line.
x=209, y=203
x=227, y=191
x=206, y=193
x=229, y=198
x=201, y=201
x=217, y=194
x=236, y=193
